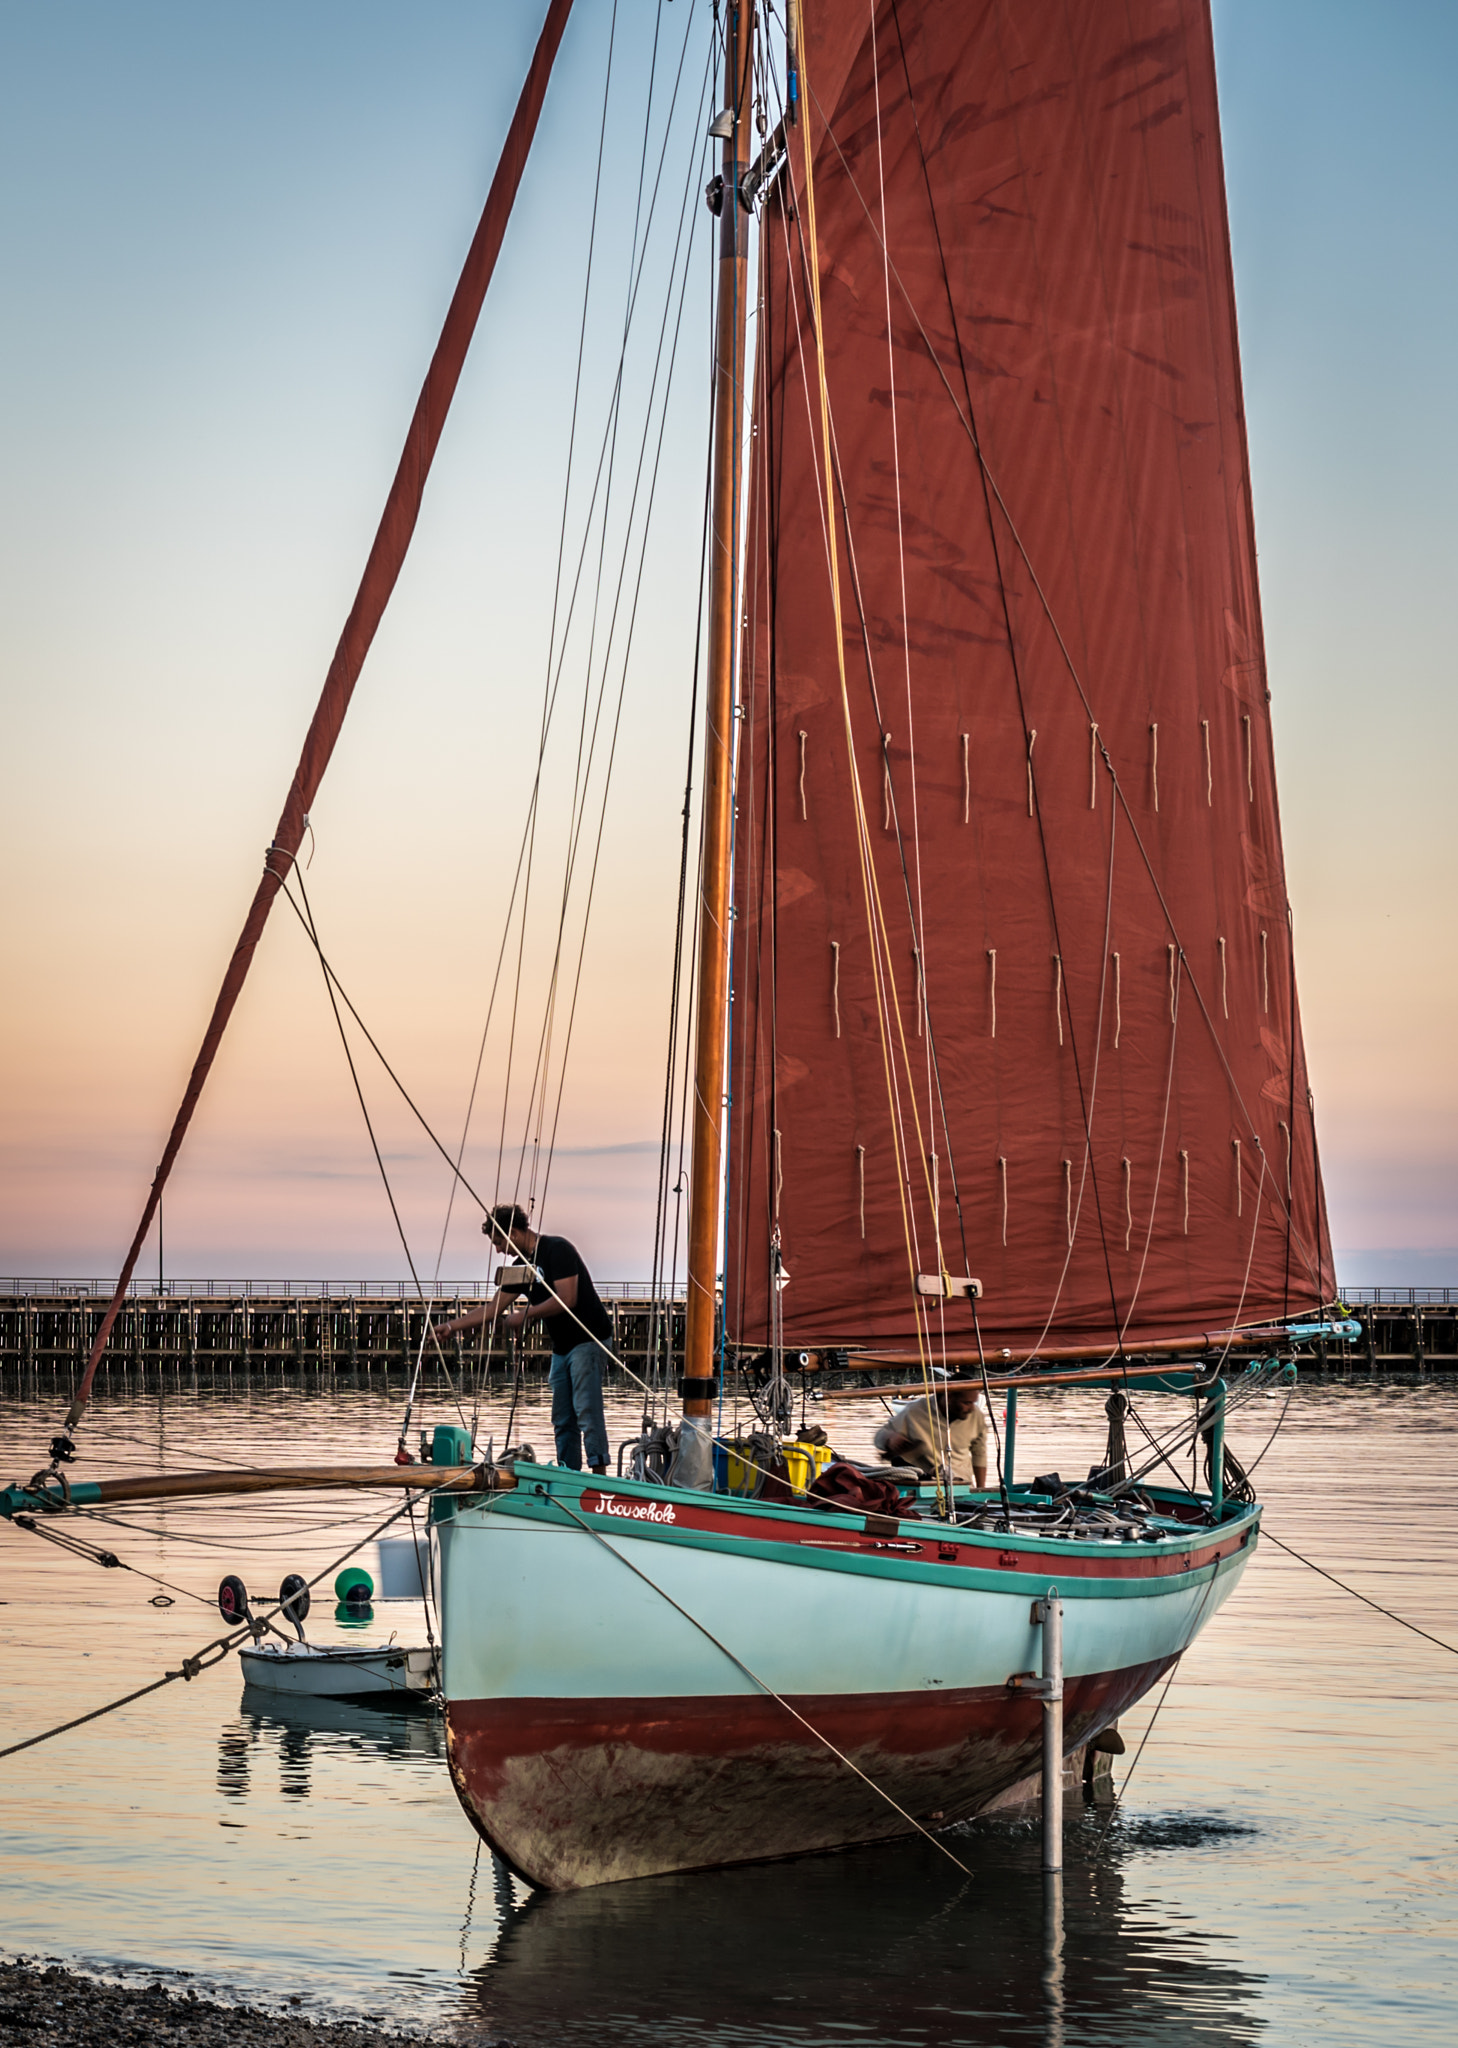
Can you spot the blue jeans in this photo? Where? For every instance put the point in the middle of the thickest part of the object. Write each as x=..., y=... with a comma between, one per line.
x=578, y=1422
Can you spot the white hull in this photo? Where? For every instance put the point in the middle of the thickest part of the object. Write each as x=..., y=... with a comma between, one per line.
x=639, y=1681
x=303, y=1672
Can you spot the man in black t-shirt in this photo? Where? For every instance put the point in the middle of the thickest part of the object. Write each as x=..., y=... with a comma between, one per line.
x=565, y=1302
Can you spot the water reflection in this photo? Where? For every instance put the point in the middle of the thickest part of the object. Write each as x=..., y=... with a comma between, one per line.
x=306, y=1731
x=1285, y=1859
x=885, y=1945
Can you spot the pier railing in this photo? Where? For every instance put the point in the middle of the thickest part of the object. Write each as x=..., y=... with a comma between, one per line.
x=304, y=1290
x=1401, y=1297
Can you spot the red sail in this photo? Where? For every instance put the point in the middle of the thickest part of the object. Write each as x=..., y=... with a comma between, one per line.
x=1013, y=985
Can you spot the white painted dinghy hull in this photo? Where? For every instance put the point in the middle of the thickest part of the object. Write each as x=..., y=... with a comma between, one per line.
x=303, y=1672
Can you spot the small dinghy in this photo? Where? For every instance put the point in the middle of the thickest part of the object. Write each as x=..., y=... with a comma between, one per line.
x=303, y=1670
x=379, y=1672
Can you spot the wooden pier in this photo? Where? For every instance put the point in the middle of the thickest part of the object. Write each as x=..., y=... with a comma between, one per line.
x=221, y=1329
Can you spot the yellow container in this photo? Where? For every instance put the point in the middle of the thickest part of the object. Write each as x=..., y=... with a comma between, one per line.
x=806, y=1462
x=735, y=1468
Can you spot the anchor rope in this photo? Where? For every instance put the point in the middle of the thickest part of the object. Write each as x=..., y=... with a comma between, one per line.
x=204, y=1659
x=1451, y=1648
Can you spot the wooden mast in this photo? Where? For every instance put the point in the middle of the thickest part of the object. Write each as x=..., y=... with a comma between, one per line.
x=710, y=1020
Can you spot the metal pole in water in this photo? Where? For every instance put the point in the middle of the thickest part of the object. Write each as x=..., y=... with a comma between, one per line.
x=1053, y=1972
x=1217, y=1452
x=1010, y=1439
x=1051, y=1692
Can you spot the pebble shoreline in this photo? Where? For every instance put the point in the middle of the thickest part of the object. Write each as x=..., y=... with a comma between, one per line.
x=43, y=2003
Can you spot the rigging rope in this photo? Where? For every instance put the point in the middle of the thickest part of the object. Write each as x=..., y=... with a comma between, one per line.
x=427, y=1332
x=94, y=1554
x=882, y=968
x=538, y=1091
x=203, y=1660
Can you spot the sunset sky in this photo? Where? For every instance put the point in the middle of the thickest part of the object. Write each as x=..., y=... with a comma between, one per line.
x=228, y=238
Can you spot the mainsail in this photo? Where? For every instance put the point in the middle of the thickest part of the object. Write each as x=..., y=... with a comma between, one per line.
x=1013, y=992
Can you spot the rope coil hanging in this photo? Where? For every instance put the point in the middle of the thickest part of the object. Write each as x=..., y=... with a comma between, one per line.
x=1209, y=770
x=803, y=736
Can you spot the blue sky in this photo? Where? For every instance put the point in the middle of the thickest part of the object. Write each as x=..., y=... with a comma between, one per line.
x=1341, y=149
x=228, y=237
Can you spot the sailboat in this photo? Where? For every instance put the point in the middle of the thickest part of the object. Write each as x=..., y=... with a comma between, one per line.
x=998, y=1072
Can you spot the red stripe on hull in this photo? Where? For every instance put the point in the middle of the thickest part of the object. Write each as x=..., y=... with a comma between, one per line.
x=623, y=1514
x=580, y=1792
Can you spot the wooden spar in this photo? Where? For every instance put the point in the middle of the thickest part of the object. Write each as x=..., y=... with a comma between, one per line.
x=710, y=1021
x=264, y=1479
x=1021, y=1383
x=1068, y=1354
x=292, y=1479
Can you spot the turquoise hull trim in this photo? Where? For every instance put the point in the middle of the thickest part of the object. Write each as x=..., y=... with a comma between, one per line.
x=537, y=1600
x=639, y=1679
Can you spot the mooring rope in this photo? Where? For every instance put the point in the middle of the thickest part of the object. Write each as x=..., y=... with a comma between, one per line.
x=204, y=1660
x=1451, y=1648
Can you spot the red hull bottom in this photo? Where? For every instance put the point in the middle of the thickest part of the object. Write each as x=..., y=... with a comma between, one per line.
x=581, y=1792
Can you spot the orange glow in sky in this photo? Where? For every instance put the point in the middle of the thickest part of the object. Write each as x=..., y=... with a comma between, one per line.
x=228, y=242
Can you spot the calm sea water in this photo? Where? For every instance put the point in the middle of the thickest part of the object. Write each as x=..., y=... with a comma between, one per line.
x=1280, y=1869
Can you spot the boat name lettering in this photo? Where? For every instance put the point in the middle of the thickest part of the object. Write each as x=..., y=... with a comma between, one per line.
x=634, y=1510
